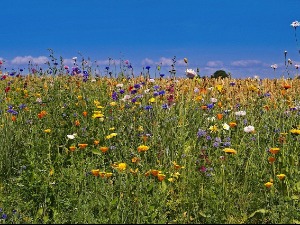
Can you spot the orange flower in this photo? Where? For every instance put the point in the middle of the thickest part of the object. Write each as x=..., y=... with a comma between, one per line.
x=72, y=148
x=13, y=118
x=219, y=116
x=274, y=150
x=204, y=107
x=82, y=146
x=107, y=175
x=135, y=160
x=95, y=172
x=96, y=142
x=232, y=124
x=84, y=113
x=281, y=176
x=268, y=184
x=271, y=159
x=161, y=177
x=103, y=149
x=286, y=86
x=42, y=114
x=77, y=123
x=155, y=172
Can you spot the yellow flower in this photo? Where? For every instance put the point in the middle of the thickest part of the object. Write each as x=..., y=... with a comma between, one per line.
x=274, y=150
x=107, y=175
x=230, y=151
x=113, y=104
x=176, y=166
x=161, y=177
x=95, y=172
x=219, y=87
x=111, y=135
x=112, y=128
x=141, y=128
x=72, y=148
x=213, y=128
x=134, y=172
x=281, y=176
x=47, y=130
x=135, y=160
x=268, y=184
x=143, y=148
x=79, y=97
x=151, y=100
x=122, y=166
x=295, y=131
x=97, y=115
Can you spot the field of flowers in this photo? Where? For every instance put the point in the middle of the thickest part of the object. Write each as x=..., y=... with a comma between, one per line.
x=82, y=149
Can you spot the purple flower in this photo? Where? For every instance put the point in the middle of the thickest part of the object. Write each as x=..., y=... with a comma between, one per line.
x=201, y=133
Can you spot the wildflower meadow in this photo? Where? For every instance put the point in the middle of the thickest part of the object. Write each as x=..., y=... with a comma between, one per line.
x=147, y=148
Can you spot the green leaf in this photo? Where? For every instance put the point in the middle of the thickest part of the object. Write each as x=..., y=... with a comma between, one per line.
x=163, y=186
x=263, y=211
x=96, y=151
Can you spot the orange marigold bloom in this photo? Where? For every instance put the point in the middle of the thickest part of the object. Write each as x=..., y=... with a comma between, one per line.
x=135, y=160
x=204, y=107
x=281, y=176
x=161, y=177
x=274, y=150
x=286, y=86
x=82, y=146
x=95, y=172
x=13, y=118
x=84, y=113
x=271, y=159
x=77, y=123
x=143, y=148
x=155, y=172
x=232, y=124
x=96, y=142
x=219, y=116
x=104, y=149
x=72, y=148
x=268, y=184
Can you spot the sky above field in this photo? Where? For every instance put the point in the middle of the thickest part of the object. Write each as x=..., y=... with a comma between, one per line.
x=243, y=37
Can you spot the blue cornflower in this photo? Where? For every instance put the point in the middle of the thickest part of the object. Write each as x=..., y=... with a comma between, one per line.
x=155, y=93
x=133, y=91
x=122, y=91
x=210, y=106
x=162, y=92
x=161, y=75
x=114, y=95
x=165, y=106
x=148, y=107
x=137, y=86
x=148, y=67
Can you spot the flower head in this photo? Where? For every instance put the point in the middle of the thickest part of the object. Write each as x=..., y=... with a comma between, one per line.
x=295, y=24
x=230, y=151
x=281, y=176
x=143, y=148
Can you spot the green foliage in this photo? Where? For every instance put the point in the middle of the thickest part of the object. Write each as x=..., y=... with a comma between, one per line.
x=220, y=74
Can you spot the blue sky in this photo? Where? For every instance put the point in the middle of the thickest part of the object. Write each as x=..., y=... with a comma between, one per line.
x=243, y=37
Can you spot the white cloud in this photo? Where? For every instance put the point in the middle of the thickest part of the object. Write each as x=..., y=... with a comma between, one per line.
x=147, y=62
x=246, y=63
x=20, y=60
x=165, y=61
x=214, y=64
